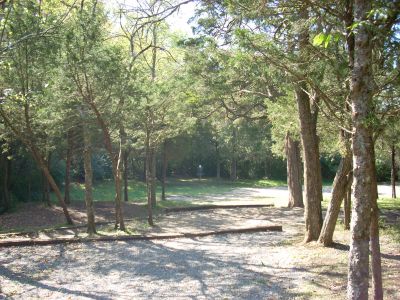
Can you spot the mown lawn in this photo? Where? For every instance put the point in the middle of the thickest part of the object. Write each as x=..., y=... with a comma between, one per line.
x=104, y=191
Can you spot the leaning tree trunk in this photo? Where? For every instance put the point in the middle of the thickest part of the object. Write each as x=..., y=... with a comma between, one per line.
x=309, y=139
x=338, y=193
x=43, y=166
x=164, y=170
x=292, y=149
x=87, y=161
x=393, y=172
x=363, y=156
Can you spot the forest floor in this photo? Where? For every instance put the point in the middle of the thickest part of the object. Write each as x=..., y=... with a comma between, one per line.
x=265, y=265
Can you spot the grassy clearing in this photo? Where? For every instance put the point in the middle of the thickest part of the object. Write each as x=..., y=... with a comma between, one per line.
x=104, y=191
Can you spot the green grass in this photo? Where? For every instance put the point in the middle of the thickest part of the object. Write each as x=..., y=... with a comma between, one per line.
x=389, y=203
x=104, y=191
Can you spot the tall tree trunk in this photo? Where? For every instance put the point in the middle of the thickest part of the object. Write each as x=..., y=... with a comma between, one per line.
x=87, y=161
x=347, y=203
x=376, y=264
x=218, y=161
x=47, y=186
x=338, y=193
x=292, y=149
x=393, y=172
x=164, y=170
x=310, y=145
x=67, y=198
x=153, y=182
x=126, y=154
x=363, y=156
x=148, y=182
x=234, y=155
x=6, y=181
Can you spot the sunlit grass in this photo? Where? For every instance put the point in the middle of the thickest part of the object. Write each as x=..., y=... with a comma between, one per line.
x=104, y=191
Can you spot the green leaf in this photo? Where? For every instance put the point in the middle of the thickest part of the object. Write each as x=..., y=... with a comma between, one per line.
x=319, y=39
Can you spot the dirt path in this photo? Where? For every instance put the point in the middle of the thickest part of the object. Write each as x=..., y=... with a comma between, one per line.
x=271, y=265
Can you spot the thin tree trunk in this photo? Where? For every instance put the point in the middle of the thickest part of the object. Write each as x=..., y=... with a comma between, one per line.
x=87, y=161
x=292, y=149
x=148, y=182
x=43, y=166
x=347, y=203
x=67, y=198
x=153, y=182
x=393, y=172
x=126, y=154
x=164, y=170
x=310, y=145
x=363, y=157
x=48, y=190
x=6, y=181
x=218, y=161
x=338, y=193
x=39, y=160
x=234, y=159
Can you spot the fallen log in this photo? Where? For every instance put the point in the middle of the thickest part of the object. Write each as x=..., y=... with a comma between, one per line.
x=44, y=242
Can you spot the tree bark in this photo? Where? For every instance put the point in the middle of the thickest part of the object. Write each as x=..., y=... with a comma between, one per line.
x=67, y=198
x=148, y=182
x=376, y=264
x=43, y=166
x=310, y=145
x=164, y=170
x=363, y=156
x=126, y=195
x=292, y=149
x=153, y=182
x=218, y=161
x=6, y=181
x=393, y=172
x=347, y=203
x=338, y=193
x=234, y=158
x=87, y=161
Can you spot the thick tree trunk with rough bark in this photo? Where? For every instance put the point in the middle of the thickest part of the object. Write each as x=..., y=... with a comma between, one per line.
x=292, y=149
x=393, y=172
x=164, y=170
x=363, y=156
x=376, y=264
x=312, y=167
x=338, y=193
x=308, y=129
x=68, y=161
x=87, y=162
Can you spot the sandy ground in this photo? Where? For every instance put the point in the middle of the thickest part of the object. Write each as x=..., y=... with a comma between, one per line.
x=270, y=265
x=274, y=195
